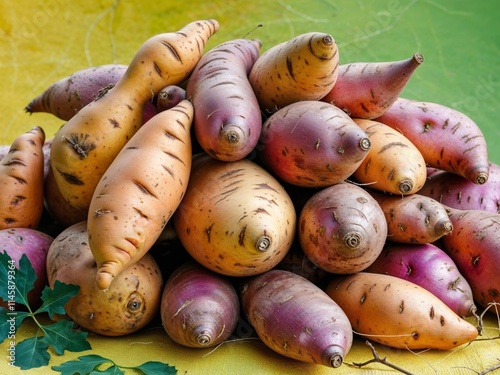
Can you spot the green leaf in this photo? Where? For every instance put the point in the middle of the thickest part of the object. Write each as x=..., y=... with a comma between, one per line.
x=10, y=322
x=61, y=337
x=153, y=368
x=31, y=353
x=84, y=365
x=19, y=278
x=54, y=299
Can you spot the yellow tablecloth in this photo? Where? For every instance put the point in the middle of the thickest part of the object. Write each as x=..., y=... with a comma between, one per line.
x=245, y=355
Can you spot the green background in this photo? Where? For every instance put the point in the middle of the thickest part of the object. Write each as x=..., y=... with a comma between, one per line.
x=42, y=42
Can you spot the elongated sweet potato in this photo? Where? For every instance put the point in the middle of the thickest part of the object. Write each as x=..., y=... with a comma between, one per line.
x=367, y=89
x=393, y=164
x=398, y=313
x=302, y=68
x=235, y=218
x=430, y=267
x=227, y=121
x=459, y=192
x=474, y=246
x=342, y=229
x=413, y=218
x=295, y=318
x=312, y=144
x=139, y=192
x=199, y=308
x=86, y=145
x=447, y=138
x=21, y=181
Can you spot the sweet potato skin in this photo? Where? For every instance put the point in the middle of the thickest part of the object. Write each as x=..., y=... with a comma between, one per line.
x=227, y=120
x=413, y=218
x=295, y=318
x=427, y=124
x=342, y=229
x=398, y=313
x=430, y=267
x=394, y=164
x=456, y=191
x=367, y=89
x=474, y=246
x=312, y=144
x=235, y=218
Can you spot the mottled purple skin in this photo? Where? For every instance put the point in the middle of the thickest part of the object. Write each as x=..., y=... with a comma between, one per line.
x=430, y=267
x=342, y=229
x=312, y=144
x=66, y=97
x=199, y=308
x=33, y=243
x=458, y=192
x=367, y=89
x=474, y=246
x=296, y=318
x=227, y=119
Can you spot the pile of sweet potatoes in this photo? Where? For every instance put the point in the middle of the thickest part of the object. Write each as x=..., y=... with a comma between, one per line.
x=246, y=166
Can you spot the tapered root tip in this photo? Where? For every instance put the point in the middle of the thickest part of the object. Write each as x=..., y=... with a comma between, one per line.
x=104, y=279
x=444, y=227
x=333, y=356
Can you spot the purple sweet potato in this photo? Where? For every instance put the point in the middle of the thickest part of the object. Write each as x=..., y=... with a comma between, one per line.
x=342, y=228
x=430, y=267
x=312, y=144
x=227, y=120
x=297, y=319
x=66, y=97
x=458, y=192
x=169, y=97
x=447, y=138
x=413, y=218
x=474, y=246
x=35, y=245
x=199, y=308
x=367, y=89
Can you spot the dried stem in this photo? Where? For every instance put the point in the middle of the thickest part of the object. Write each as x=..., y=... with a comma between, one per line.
x=376, y=359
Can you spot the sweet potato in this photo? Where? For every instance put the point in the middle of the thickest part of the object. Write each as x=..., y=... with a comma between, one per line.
x=367, y=89
x=86, y=145
x=393, y=164
x=447, y=138
x=398, y=313
x=459, y=192
x=312, y=144
x=227, y=121
x=127, y=306
x=302, y=68
x=4, y=150
x=413, y=218
x=35, y=244
x=70, y=94
x=474, y=246
x=199, y=308
x=295, y=318
x=58, y=208
x=169, y=97
x=140, y=191
x=235, y=218
x=430, y=267
x=342, y=229
x=21, y=181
